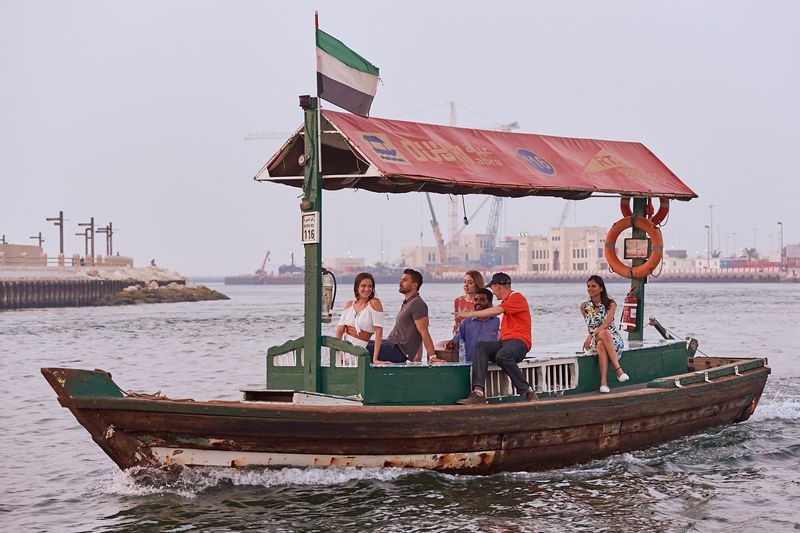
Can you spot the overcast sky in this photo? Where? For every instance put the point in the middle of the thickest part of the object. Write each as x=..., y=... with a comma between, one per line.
x=136, y=113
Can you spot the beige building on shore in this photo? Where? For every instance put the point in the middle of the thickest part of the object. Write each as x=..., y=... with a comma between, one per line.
x=575, y=249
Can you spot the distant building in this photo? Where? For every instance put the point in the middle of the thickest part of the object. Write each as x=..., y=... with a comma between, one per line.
x=575, y=249
x=419, y=257
x=471, y=249
x=21, y=255
x=508, y=251
x=676, y=254
x=345, y=264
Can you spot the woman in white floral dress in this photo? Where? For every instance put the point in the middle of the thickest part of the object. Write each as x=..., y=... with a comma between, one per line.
x=598, y=312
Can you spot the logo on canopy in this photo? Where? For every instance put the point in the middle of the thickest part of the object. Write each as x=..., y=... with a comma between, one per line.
x=384, y=148
x=604, y=160
x=536, y=161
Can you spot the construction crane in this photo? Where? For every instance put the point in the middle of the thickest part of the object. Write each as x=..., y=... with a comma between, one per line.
x=489, y=255
x=261, y=271
x=437, y=232
x=564, y=214
x=494, y=220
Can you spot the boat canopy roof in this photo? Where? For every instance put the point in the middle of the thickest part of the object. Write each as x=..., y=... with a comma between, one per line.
x=396, y=156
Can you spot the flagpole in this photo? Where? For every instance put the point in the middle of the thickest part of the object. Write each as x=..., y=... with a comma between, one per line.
x=319, y=106
x=312, y=208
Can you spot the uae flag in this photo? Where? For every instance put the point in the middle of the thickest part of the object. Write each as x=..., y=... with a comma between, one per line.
x=344, y=78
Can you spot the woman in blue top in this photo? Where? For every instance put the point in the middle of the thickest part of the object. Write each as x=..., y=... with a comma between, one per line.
x=598, y=312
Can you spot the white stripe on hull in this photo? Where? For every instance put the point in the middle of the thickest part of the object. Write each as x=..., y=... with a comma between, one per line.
x=437, y=461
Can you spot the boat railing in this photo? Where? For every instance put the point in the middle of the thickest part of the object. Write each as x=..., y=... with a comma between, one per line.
x=709, y=373
x=552, y=376
x=291, y=353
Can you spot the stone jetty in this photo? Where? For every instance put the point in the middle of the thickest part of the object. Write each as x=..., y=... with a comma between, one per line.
x=89, y=286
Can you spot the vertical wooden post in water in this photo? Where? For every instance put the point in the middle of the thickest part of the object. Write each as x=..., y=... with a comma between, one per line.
x=637, y=285
x=312, y=203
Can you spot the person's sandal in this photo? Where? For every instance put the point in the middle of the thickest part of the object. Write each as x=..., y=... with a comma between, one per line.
x=621, y=377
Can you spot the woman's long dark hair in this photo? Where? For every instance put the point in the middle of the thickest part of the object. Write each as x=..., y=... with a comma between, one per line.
x=604, y=297
x=361, y=277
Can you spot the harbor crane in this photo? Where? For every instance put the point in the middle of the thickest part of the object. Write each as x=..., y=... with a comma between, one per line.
x=261, y=271
x=437, y=233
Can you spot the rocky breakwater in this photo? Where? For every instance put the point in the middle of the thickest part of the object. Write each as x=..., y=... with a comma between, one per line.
x=153, y=293
x=89, y=286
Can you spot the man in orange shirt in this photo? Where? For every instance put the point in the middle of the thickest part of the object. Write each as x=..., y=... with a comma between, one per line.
x=514, y=343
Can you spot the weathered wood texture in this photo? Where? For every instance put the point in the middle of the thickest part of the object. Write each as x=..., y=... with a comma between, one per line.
x=523, y=436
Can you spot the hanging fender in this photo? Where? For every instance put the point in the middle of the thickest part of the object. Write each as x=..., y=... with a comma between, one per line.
x=656, y=250
x=657, y=218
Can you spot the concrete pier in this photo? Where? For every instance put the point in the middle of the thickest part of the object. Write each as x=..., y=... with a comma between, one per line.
x=63, y=286
x=16, y=294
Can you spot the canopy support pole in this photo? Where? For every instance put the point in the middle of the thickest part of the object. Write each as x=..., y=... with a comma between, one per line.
x=637, y=285
x=312, y=202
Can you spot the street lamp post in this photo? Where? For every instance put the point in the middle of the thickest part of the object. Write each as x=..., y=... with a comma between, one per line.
x=780, y=224
x=39, y=238
x=59, y=221
x=89, y=236
x=109, y=233
x=708, y=250
x=85, y=235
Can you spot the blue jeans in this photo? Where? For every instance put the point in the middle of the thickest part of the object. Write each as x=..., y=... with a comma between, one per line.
x=506, y=354
x=389, y=351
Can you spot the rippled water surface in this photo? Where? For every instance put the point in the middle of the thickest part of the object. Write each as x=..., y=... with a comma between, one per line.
x=54, y=478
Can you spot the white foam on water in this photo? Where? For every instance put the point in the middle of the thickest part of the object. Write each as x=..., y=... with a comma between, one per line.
x=779, y=408
x=193, y=481
x=131, y=483
x=271, y=477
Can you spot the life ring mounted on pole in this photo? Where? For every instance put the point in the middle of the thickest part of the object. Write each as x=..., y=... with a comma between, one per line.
x=657, y=218
x=656, y=249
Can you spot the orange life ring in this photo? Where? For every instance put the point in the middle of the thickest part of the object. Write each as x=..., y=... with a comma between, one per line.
x=658, y=218
x=656, y=250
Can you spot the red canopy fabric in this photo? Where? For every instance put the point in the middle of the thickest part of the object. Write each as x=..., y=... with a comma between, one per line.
x=415, y=156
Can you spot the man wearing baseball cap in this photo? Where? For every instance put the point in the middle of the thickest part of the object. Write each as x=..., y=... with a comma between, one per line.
x=514, y=343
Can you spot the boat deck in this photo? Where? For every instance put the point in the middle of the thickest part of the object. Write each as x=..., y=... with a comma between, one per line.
x=347, y=374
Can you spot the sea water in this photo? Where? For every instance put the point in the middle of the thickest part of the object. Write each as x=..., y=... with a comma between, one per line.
x=54, y=478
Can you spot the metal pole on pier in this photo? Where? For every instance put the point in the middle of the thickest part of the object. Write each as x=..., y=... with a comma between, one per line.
x=85, y=242
x=89, y=235
x=780, y=224
x=59, y=221
x=109, y=233
x=39, y=238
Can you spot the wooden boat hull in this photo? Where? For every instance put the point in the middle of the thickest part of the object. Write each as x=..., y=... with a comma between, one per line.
x=540, y=435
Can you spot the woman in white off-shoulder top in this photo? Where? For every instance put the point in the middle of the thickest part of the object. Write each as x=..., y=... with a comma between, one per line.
x=362, y=316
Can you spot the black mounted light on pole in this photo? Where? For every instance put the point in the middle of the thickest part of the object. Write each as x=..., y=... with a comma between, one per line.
x=59, y=221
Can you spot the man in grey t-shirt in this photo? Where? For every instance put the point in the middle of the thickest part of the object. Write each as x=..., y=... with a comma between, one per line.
x=410, y=332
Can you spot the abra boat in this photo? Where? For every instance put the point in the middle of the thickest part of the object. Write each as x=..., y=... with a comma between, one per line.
x=324, y=404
